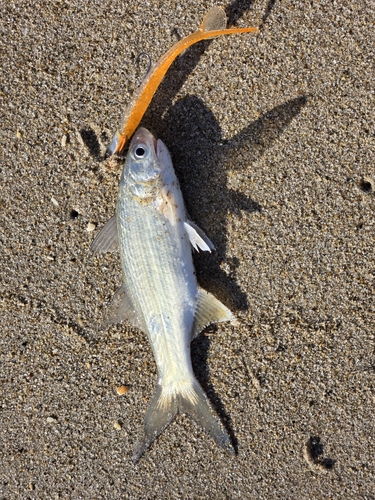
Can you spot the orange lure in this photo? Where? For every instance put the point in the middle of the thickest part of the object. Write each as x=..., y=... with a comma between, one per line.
x=213, y=25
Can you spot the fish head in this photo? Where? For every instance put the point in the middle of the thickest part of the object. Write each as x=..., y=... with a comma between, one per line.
x=148, y=169
x=143, y=164
x=143, y=170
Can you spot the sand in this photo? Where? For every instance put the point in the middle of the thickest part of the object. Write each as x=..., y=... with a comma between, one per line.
x=272, y=138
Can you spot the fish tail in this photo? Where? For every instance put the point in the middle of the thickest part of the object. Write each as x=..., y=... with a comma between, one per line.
x=186, y=398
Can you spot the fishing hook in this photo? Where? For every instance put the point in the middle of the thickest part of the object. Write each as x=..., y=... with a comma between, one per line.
x=149, y=64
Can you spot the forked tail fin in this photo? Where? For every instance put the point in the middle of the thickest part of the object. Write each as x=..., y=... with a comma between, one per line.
x=188, y=398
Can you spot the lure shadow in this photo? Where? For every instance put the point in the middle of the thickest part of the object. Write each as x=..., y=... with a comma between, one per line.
x=237, y=9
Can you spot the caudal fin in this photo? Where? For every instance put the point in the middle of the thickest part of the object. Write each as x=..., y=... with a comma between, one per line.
x=187, y=398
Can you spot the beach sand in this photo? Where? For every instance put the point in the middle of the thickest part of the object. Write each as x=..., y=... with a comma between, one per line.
x=272, y=139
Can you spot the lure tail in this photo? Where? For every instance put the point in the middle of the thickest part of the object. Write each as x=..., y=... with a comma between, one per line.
x=186, y=398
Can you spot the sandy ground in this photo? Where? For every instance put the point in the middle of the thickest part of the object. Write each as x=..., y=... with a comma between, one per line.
x=273, y=141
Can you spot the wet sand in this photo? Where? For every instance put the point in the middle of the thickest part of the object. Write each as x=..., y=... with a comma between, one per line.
x=272, y=138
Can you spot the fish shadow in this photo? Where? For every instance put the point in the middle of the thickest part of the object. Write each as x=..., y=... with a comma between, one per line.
x=199, y=353
x=201, y=158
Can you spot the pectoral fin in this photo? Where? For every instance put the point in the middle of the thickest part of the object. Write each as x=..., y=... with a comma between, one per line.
x=107, y=239
x=197, y=237
x=209, y=310
x=121, y=308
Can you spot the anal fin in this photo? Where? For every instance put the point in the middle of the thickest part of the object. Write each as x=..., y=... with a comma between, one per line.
x=209, y=310
x=107, y=239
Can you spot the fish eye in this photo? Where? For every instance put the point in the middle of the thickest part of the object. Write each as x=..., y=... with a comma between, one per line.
x=139, y=152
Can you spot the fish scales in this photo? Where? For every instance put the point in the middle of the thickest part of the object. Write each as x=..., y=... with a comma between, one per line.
x=152, y=262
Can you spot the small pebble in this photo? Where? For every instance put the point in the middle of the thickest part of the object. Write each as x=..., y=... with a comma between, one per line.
x=90, y=227
x=123, y=389
x=117, y=426
x=55, y=202
x=51, y=420
x=63, y=141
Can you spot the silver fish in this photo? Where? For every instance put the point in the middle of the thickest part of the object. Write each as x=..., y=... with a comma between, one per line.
x=160, y=294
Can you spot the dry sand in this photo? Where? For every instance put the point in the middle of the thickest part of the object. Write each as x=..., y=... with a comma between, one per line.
x=273, y=141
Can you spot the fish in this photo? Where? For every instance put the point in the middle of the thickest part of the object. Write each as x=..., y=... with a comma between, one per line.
x=212, y=26
x=159, y=293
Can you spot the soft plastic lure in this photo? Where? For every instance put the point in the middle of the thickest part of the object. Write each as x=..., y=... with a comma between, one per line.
x=213, y=25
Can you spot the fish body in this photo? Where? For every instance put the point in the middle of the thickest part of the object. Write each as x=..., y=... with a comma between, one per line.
x=156, y=257
x=160, y=294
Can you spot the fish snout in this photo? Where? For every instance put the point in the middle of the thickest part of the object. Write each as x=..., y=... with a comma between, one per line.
x=144, y=166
